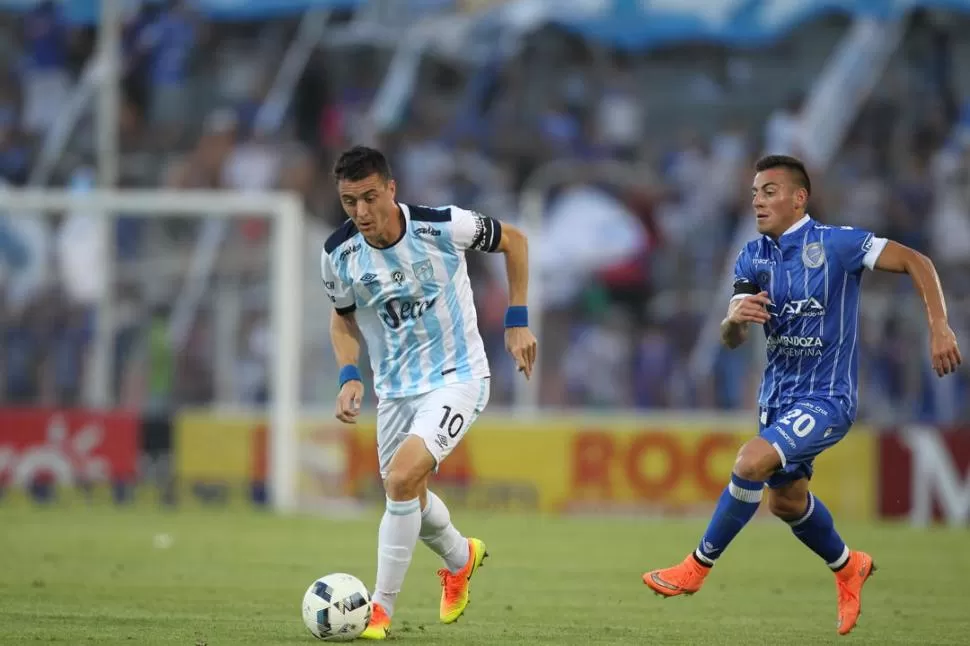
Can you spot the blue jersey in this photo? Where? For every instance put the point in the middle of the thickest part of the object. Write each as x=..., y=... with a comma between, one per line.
x=813, y=275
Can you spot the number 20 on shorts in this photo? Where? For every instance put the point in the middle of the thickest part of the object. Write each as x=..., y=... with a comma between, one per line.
x=801, y=423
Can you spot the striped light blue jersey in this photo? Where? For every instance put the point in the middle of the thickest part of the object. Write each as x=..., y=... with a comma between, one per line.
x=813, y=274
x=413, y=301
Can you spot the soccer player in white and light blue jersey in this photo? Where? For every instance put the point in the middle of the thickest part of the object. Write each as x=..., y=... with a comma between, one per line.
x=396, y=275
x=801, y=281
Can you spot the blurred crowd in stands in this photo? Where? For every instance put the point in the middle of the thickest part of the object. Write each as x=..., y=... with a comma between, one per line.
x=628, y=275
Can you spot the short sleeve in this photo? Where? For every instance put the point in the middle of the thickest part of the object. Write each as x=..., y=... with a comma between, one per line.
x=745, y=283
x=856, y=248
x=341, y=294
x=471, y=230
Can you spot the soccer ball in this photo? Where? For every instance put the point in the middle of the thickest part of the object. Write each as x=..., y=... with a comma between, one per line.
x=336, y=608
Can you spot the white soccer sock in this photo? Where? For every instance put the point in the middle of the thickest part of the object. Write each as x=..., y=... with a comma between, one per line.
x=396, y=539
x=441, y=536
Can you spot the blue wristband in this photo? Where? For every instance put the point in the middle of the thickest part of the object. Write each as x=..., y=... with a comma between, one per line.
x=349, y=373
x=517, y=316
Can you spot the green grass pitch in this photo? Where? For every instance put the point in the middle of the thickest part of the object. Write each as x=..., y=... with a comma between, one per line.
x=76, y=575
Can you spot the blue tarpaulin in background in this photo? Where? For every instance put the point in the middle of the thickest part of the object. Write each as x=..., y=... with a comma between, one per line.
x=651, y=23
x=631, y=24
x=86, y=11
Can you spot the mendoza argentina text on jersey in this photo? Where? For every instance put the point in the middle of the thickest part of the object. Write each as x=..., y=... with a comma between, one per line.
x=413, y=301
x=813, y=275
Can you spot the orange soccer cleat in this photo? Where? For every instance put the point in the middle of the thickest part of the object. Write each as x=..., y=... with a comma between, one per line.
x=379, y=626
x=849, y=581
x=454, y=587
x=687, y=577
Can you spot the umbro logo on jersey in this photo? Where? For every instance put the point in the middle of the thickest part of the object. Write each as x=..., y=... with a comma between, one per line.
x=371, y=283
x=441, y=441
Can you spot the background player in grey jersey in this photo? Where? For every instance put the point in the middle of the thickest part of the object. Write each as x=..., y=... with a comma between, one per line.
x=397, y=276
x=801, y=281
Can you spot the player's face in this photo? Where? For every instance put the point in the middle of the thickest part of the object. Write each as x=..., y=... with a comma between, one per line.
x=369, y=202
x=778, y=202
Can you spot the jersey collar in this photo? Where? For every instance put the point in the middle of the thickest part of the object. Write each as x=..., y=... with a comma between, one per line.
x=786, y=237
x=798, y=225
x=405, y=216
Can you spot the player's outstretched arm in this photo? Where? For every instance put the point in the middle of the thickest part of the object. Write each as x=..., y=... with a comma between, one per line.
x=519, y=341
x=515, y=245
x=346, y=348
x=900, y=259
x=743, y=309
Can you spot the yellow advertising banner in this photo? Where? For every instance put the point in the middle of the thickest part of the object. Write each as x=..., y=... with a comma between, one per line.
x=216, y=454
x=210, y=447
x=674, y=467
x=554, y=464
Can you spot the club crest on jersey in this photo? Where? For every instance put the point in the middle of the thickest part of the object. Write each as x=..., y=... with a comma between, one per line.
x=813, y=255
x=423, y=271
x=398, y=277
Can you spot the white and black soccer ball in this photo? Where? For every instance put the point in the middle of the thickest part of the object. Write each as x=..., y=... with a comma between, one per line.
x=336, y=608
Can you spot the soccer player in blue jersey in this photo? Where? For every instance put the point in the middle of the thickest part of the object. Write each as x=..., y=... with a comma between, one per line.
x=397, y=277
x=801, y=282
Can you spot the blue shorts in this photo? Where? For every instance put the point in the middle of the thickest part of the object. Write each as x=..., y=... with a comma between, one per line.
x=799, y=432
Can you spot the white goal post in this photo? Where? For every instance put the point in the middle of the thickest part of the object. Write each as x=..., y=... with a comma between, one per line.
x=285, y=211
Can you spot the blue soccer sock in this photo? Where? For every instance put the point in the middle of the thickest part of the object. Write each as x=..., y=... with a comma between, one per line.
x=734, y=509
x=817, y=530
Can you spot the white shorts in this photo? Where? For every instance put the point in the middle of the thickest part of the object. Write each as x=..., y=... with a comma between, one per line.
x=440, y=418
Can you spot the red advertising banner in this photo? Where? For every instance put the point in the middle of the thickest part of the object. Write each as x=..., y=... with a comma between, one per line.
x=63, y=447
x=924, y=475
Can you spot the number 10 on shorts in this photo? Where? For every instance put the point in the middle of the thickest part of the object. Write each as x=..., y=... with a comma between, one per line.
x=443, y=416
x=452, y=424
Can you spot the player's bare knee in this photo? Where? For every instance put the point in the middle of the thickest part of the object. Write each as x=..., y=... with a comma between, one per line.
x=409, y=469
x=403, y=484
x=750, y=470
x=786, y=507
x=757, y=460
x=790, y=501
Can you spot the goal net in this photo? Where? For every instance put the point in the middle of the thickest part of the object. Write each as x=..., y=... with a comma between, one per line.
x=203, y=308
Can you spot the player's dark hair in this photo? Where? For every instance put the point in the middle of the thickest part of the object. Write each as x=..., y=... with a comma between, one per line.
x=794, y=166
x=360, y=162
